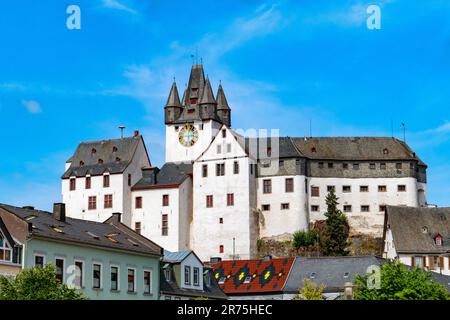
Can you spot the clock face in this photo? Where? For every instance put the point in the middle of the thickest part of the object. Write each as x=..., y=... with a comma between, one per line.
x=188, y=135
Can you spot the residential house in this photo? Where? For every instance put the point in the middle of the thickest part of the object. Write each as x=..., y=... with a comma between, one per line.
x=183, y=277
x=10, y=252
x=104, y=260
x=418, y=237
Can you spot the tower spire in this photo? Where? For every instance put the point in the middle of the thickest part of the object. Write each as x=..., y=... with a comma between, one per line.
x=223, y=109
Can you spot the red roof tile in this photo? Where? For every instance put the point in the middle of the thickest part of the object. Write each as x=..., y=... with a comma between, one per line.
x=252, y=276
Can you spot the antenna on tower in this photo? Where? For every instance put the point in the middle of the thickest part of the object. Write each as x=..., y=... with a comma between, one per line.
x=310, y=128
x=121, y=127
x=392, y=128
x=404, y=131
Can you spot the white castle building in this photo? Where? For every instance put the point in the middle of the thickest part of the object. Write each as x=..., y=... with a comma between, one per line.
x=219, y=192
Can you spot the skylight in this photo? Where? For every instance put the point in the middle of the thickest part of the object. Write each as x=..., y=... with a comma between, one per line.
x=30, y=217
x=312, y=275
x=346, y=274
x=93, y=235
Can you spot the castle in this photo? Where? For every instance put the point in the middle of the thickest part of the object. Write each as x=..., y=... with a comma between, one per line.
x=219, y=191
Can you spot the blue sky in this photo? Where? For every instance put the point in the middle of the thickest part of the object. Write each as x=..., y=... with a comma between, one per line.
x=282, y=65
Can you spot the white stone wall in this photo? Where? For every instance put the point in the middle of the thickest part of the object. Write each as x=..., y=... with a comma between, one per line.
x=176, y=152
x=363, y=222
x=278, y=221
x=150, y=216
x=207, y=234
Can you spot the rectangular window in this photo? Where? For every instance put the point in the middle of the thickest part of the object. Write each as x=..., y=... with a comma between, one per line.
x=346, y=189
x=331, y=188
x=401, y=188
x=165, y=200
x=315, y=191
x=418, y=262
x=365, y=208
x=347, y=208
x=372, y=166
x=267, y=186
x=356, y=166
x=88, y=183
x=147, y=282
x=219, y=149
x=73, y=184
x=164, y=225
x=228, y=147
x=285, y=206
x=382, y=188
x=230, y=199
x=330, y=165
x=314, y=208
x=96, y=276
x=108, y=203
x=221, y=249
x=265, y=207
x=137, y=227
x=129, y=180
x=106, y=181
x=345, y=166
x=59, y=263
x=398, y=166
x=251, y=168
x=92, y=203
x=221, y=220
x=79, y=269
x=383, y=166
x=289, y=185
x=320, y=165
x=363, y=188
x=138, y=202
x=220, y=169
x=187, y=275
x=196, y=276
x=131, y=280
x=167, y=274
x=382, y=208
x=209, y=201
x=39, y=261
x=236, y=167
x=224, y=133
x=281, y=163
x=114, y=278
x=204, y=170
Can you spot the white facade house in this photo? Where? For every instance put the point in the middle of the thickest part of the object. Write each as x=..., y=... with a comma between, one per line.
x=418, y=237
x=219, y=192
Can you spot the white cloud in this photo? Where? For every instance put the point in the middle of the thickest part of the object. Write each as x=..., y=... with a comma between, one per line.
x=32, y=106
x=115, y=4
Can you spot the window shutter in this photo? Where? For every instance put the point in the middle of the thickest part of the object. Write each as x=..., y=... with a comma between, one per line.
x=413, y=262
x=424, y=262
x=441, y=262
x=431, y=260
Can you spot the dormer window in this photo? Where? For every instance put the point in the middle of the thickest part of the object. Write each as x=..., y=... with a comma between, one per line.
x=114, y=149
x=100, y=161
x=385, y=151
x=438, y=240
x=424, y=229
x=118, y=159
x=81, y=163
x=93, y=151
x=313, y=150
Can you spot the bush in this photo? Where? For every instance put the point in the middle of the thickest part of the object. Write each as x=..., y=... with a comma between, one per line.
x=37, y=284
x=302, y=239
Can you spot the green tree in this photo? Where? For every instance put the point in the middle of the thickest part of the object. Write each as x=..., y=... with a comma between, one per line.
x=303, y=239
x=310, y=291
x=398, y=282
x=334, y=237
x=37, y=284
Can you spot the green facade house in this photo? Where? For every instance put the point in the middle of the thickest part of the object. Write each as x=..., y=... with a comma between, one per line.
x=105, y=261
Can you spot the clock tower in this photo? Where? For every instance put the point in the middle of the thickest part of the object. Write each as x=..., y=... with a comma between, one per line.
x=193, y=122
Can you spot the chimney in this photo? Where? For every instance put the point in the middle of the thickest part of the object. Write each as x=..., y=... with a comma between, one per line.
x=136, y=133
x=117, y=216
x=59, y=212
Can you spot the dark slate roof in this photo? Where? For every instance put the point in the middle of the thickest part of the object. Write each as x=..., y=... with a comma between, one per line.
x=176, y=257
x=286, y=148
x=208, y=95
x=266, y=276
x=76, y=231
x=171, y=174
x=222, y=103
x=407, y=224
x=174, y=99
x=84, y=161
x=171, y=288
x=354, y=148
x=330, y=271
